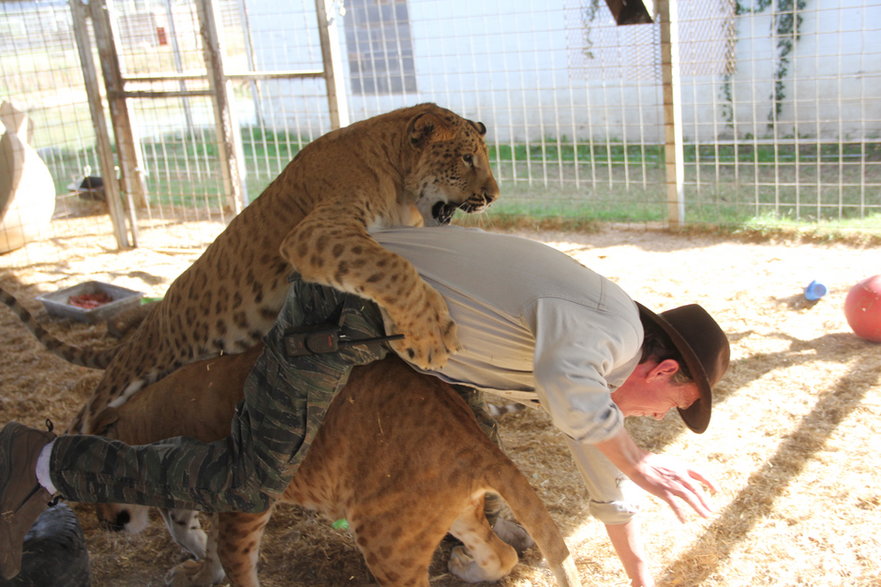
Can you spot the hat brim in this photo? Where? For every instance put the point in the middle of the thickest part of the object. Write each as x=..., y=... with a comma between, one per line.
x=697, y=415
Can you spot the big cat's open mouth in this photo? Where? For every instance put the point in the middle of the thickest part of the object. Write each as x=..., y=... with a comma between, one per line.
x=443, y=212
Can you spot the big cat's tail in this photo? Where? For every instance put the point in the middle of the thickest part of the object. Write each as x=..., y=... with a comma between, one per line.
x=531, y=512
x=77, y=355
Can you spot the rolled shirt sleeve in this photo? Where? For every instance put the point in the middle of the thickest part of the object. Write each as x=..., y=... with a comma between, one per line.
x=612, y=497
x=580, y=353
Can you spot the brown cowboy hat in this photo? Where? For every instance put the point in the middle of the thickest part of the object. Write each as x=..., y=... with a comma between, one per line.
x=704, y=348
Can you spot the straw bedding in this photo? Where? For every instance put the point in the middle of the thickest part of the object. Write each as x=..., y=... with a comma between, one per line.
x=790, y=446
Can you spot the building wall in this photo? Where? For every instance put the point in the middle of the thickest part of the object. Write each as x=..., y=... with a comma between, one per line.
x=522, y=68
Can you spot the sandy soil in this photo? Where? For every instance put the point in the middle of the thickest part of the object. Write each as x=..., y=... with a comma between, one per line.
x=791, y=445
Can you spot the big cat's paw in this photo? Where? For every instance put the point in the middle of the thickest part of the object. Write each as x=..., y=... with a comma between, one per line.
x=430, y=336
x=193, y=573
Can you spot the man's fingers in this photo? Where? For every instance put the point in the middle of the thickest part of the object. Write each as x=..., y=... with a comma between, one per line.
x=697, y=494
x=673, y=482
x=691, y=494
x=677, y=509
x=697, y=503
x=704, y=480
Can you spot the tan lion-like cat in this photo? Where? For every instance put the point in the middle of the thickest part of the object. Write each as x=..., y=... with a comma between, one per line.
x=399, y=455
x=398, y=168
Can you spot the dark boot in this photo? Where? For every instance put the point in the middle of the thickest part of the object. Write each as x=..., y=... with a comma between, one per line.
x=22, y=498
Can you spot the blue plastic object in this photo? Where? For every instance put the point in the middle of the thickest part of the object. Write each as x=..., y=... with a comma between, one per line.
x=814, y=291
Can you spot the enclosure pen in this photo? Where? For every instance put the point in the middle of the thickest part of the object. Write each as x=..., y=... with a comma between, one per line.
x=759, y=174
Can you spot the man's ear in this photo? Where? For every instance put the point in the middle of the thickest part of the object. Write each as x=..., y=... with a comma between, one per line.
x=666, y=368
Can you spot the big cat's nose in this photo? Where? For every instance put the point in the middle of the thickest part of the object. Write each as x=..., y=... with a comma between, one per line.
x=490, y=191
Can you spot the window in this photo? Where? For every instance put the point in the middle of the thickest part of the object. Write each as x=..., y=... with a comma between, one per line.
x=380, y=47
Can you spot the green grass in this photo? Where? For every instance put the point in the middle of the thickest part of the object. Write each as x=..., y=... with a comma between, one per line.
x=615, y=152
x=599, y=152
x=827, y=187
x=871, y=225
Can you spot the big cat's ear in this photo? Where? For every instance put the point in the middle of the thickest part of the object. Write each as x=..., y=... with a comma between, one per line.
x=428, y=128
x=481, y=128
x=420, y=129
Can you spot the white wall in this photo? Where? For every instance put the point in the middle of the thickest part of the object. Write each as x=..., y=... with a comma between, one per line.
x=517, y=66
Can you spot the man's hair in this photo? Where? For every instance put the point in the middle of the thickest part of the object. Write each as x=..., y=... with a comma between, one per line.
x=658, y=346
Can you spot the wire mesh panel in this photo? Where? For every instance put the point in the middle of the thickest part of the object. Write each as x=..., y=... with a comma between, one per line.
x=278, y=115
x=780, y=99
x=177, y=133
x=779, y=112
x=160, y=55
x=40, y=76
x=790, y=131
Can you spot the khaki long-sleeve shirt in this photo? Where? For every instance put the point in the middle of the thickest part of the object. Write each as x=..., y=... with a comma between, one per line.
x=535, y=327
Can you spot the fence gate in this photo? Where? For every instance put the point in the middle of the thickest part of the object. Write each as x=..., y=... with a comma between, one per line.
x=165, y=61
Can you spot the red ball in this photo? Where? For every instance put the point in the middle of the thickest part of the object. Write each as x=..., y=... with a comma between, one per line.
x=862, y=307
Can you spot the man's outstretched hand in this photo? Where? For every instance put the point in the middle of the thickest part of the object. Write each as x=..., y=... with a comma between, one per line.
x=668, y=479
x=661, y=476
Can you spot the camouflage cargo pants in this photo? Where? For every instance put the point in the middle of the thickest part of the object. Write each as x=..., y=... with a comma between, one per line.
x=285, y=399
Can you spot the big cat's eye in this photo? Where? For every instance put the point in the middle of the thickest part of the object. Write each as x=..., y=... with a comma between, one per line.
x=469, y=159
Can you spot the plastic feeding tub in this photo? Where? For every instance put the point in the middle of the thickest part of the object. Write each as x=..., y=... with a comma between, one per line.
x=92, y=301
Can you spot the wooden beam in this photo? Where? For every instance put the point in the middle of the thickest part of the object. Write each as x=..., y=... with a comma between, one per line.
x=327, y=13
x=103, y=146
x=131, y=166
x=632, y=11
x=673, y=140
x=230, y=152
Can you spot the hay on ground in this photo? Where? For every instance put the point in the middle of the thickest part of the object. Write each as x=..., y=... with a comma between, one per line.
x=791, y=445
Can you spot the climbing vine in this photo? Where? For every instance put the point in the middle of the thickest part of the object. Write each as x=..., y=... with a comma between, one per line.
x=589, y=14
x=786, y=25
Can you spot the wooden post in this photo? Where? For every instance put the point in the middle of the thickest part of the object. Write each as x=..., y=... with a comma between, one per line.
x=673, y=151
x=632, y=11
x=328, y=34
x=229, y=141
x=79, y=13
x=130, y=164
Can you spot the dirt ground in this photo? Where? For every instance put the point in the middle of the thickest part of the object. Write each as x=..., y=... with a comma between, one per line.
x=792, y=444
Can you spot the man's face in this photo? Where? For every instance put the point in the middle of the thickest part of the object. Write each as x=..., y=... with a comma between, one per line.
x=649, y=391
